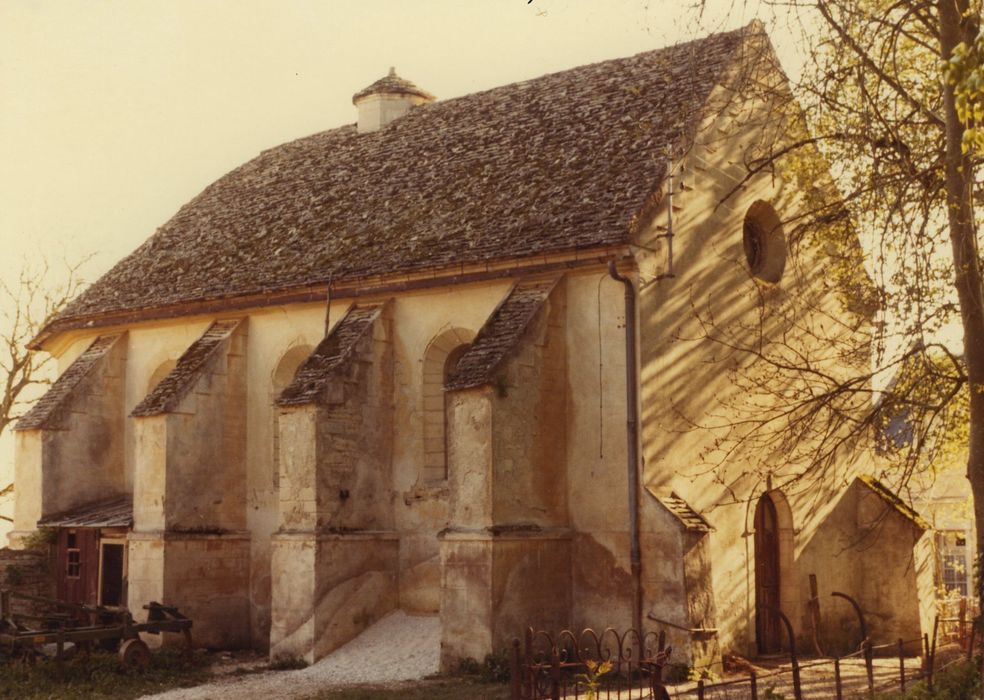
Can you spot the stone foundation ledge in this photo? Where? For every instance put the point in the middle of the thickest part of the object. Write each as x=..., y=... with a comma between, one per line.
x=504, y=533
x=355, y=536
x=184, y=535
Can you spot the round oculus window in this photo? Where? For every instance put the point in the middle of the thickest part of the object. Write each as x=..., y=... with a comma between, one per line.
x=764, y=243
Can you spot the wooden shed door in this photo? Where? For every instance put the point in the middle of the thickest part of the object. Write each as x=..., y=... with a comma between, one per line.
x=767, y=630
x=78, y=565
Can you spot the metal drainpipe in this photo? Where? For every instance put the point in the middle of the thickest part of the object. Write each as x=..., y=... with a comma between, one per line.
x=632, y=442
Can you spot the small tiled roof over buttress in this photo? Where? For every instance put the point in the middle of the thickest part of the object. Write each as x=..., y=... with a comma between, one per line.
x=564, y=162
x=500, y=334
x=686, y=514
x=165, y=397
x=46, y=412
x=311, y=378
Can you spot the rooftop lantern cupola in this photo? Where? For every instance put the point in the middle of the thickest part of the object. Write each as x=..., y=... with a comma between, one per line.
x=387, y=99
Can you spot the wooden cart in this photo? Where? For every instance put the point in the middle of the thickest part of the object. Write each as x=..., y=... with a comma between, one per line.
x=55, y=624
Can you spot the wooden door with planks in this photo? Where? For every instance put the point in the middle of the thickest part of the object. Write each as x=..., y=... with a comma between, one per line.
x=768, y=633
x=78, y=565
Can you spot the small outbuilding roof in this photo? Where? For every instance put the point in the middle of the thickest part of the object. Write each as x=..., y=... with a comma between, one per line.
x=115, y=513
x=565, y=162
x=893, y=500
x=688, y=516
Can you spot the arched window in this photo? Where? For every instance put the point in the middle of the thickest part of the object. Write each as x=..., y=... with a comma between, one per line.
x=439, y=361
x=283, y=375
x=764, y=242
x=162, y=371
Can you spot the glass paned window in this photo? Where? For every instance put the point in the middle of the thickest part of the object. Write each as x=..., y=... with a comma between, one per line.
x=954, y=566
x=73, y=564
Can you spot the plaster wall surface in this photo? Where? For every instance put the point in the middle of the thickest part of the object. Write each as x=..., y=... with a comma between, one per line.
x=150, y=481
x=596, y=483
x=665, y=545
x=376, y=111
x=693, y=327
x=862, y=527
x=420, y=508
x=275, y=333
x=29, y=478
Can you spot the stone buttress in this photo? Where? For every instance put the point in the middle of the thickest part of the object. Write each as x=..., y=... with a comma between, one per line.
x=335, y=557
x=189, y=545
x=505, y=558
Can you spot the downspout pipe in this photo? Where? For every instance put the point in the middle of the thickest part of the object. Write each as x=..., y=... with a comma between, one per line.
x=632, y=443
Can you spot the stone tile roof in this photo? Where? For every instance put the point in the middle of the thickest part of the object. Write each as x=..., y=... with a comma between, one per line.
x=500, y=334
x=46, y=412
x=564, y=162
x=893, y=500
x=115, y=513
x=165, y=397
x=392, y=84
x=682, y=511
x=313, y=375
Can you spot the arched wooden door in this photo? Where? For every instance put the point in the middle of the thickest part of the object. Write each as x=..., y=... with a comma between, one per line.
x=767, y=624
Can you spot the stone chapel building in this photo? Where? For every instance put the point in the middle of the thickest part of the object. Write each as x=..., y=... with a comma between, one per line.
x=385, y=367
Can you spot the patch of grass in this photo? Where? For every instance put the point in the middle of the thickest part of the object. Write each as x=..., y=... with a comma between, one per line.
x=287, y=663
x=40, y=538
x=99, y=677
x=453, y=689
x=958, y=682
x=494, y=669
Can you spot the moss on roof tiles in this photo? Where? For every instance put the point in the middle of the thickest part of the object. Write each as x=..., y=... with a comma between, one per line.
x=559, y=163
x=894, y=501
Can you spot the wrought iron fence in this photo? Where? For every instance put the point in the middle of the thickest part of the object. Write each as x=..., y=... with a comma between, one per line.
x=564, y=666
x=606, y=665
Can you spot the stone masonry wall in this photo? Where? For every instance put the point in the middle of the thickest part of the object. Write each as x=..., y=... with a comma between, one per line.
x=28, y=571
x=335, y=560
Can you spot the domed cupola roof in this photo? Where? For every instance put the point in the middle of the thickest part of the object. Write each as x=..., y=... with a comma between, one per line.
x=392, y=84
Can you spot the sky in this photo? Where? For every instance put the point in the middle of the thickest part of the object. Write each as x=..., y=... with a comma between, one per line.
x=114, y=113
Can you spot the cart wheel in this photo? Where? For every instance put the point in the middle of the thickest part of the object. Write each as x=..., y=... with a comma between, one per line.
x=134, y=654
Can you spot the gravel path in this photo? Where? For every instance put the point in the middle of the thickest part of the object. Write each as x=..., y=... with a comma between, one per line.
x=397, y=648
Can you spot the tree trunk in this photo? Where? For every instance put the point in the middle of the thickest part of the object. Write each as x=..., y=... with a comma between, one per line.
x=966, y=258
